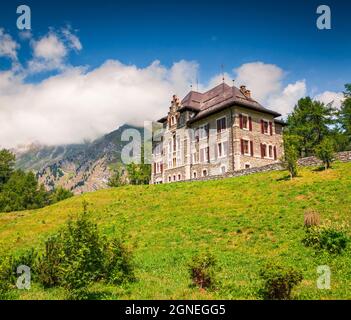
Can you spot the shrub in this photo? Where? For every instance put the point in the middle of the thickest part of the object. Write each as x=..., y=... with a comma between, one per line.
x=116, y=179
x=312, y=218
x=78, y=255
x=290, y=157
x=279, y=281
x=8, y=270
x=22, y=192
x=48, y=264
x=6, y=277
x=333, y=239
x=325, y=151
x=118, y=266
x=59, y=194
x=202, y=271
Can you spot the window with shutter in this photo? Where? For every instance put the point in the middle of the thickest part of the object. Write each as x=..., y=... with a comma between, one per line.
x=245, y=147
x=270, y=151
x=241, y=121
x=250, y=123
x=220, y=150
x=221, y=125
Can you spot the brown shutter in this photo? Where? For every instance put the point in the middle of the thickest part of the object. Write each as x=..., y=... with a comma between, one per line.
x=271, y=128
x=250, y=123
x=154, y=167
x=262, y=126
x=262, y=156
x=161, y=167
x=208, y=154
x=251, y=148
x=275, y=152
x=242, y=146
x=241, y=121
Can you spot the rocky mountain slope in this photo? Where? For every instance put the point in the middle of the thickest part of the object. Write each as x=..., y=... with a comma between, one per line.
x=78, y=167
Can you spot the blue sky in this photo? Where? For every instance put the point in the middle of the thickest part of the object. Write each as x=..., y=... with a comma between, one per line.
x=228, y=33
x=212, y=33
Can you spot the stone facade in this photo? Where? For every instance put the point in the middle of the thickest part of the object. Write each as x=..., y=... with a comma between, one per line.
x=216, y=133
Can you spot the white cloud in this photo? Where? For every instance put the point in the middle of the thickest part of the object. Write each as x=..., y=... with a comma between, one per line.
x=50, y=51
x=262, y=79
x=72, y=39
x=266, y=84
x=328, y=96
x=285, y=101
x=78, y=104
x=8, y=47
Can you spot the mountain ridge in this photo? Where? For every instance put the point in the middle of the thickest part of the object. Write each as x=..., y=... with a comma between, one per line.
x=80, y=168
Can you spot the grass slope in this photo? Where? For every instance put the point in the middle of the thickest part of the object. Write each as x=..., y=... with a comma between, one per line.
x=246, y=222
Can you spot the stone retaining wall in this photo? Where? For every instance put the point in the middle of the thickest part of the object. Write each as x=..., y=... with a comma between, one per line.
x=244, y=172
x=313, y=161
x=305, y=162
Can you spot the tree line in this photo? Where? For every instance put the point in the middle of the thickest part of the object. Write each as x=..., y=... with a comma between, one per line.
x=317, y=129
x=20, y=190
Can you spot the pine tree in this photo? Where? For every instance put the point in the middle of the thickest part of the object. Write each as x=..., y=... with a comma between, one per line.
x=311, y=121
x=345, y=117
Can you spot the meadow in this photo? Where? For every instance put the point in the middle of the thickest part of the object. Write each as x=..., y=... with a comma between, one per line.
x=246, y=222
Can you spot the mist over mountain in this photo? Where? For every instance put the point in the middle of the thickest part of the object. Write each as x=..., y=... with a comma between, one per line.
x=80, y=168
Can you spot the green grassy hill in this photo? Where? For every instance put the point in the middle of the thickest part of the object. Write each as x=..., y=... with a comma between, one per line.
x=246, y=222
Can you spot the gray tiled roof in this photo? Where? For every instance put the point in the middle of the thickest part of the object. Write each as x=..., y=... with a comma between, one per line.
x=219, y=98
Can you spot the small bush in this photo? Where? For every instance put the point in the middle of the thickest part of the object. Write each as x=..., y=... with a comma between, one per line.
x=60, y=194
x=8, y=270
x=6, y=276
x=312, y=218
x=279, y=281
x=48, y=264
x=333, y=239
x=202, y=271
x=119, y=267
x=78, y=255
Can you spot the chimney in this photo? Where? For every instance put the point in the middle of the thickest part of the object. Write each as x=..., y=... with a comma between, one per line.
x=248, y=94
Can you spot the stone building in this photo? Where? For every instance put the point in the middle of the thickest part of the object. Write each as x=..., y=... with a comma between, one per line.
x=214, y=133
